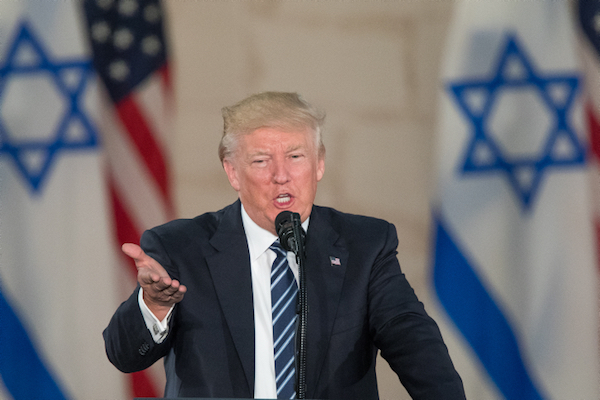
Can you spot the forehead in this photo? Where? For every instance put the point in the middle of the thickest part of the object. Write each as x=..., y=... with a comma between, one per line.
x=274, y=138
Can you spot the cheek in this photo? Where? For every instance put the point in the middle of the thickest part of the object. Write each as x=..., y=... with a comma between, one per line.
x=256, y=184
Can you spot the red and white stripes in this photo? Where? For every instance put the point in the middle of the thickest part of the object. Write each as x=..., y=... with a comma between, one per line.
x=136, y=143
x=591, y=89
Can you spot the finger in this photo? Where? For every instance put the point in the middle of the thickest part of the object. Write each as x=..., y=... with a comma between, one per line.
x=142, y=260
x=172, y=289
x=176, y=296
x=167, y=295
x=164, y=284
x=134, y=251
x=146, y=276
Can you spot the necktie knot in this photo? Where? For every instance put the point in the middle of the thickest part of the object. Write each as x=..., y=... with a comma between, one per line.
x=278, y=249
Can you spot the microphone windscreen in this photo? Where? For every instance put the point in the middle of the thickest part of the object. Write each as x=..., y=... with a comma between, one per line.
x=283, y=221
x=285, y=230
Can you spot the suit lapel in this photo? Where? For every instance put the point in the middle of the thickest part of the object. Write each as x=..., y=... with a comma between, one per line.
x=230, y=270
x=326, y=260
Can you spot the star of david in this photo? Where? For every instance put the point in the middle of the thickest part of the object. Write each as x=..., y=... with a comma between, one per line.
x=26, y=73
x=550, y=96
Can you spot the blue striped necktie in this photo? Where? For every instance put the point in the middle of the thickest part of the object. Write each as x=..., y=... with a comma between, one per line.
x=284, y=292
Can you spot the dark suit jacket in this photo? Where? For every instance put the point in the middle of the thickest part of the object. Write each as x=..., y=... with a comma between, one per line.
x=355, y=308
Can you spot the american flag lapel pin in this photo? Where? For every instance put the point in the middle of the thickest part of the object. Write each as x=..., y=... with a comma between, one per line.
x=335, y=261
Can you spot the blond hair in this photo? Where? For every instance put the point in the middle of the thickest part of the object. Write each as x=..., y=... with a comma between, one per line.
x=280, y=110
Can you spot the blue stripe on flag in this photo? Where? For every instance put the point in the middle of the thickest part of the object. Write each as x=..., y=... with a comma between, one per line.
x=21, y=369
x=479, y=319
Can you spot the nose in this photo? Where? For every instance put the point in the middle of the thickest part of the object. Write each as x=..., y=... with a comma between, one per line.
x=280, y=172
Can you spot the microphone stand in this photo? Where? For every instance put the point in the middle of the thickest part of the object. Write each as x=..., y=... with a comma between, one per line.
x=302, y=308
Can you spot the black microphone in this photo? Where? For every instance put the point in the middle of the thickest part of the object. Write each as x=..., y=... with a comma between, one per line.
x=284, y=226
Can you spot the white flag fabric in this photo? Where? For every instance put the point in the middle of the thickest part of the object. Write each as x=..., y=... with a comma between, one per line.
x=514, y=265
x=588, y=13
x=57, y=263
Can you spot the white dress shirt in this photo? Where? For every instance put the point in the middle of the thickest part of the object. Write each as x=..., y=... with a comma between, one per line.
x=261, y=260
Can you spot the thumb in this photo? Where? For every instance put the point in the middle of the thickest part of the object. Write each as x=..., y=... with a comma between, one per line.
x=149, y=270
x=134, y=251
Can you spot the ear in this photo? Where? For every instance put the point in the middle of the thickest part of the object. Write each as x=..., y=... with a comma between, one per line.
x=231, y=174
x=320, y=168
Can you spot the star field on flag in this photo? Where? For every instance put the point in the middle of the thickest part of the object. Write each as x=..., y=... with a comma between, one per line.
x=127, y=40
x=29, y=75
x=589, y=12
x=486, y=103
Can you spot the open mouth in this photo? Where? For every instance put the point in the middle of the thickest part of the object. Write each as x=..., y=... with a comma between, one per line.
x=283, y=199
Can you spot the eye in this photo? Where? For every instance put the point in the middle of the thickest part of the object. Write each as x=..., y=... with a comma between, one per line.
x=259, y=162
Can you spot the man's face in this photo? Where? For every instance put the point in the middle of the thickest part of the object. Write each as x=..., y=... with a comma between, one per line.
x=273, y=171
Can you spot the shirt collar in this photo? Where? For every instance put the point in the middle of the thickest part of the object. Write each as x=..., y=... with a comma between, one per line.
x=259, y=239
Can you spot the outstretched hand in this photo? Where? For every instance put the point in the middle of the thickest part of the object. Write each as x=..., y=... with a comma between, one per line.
x=160, y=291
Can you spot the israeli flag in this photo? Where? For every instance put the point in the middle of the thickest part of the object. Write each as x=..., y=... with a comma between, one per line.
x=514, y=257
x=58, y=273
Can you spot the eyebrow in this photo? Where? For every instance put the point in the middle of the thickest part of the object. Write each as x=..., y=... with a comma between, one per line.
x=294, y=148
x=265, y=152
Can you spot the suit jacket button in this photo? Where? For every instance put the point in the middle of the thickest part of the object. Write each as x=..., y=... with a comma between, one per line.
x=144, y=349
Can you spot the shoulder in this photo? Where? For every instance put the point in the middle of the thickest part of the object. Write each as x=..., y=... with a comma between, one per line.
x=360, y=229
x=342, y=221
x=202, y=226
x=182, y=237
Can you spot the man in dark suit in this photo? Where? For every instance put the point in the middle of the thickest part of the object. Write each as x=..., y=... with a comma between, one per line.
x=216, y=331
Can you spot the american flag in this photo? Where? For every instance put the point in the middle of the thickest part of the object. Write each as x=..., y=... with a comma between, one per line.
x=130, y=56
x=589, y=22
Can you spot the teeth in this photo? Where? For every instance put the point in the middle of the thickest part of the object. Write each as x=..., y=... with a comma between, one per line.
x=283, y=199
